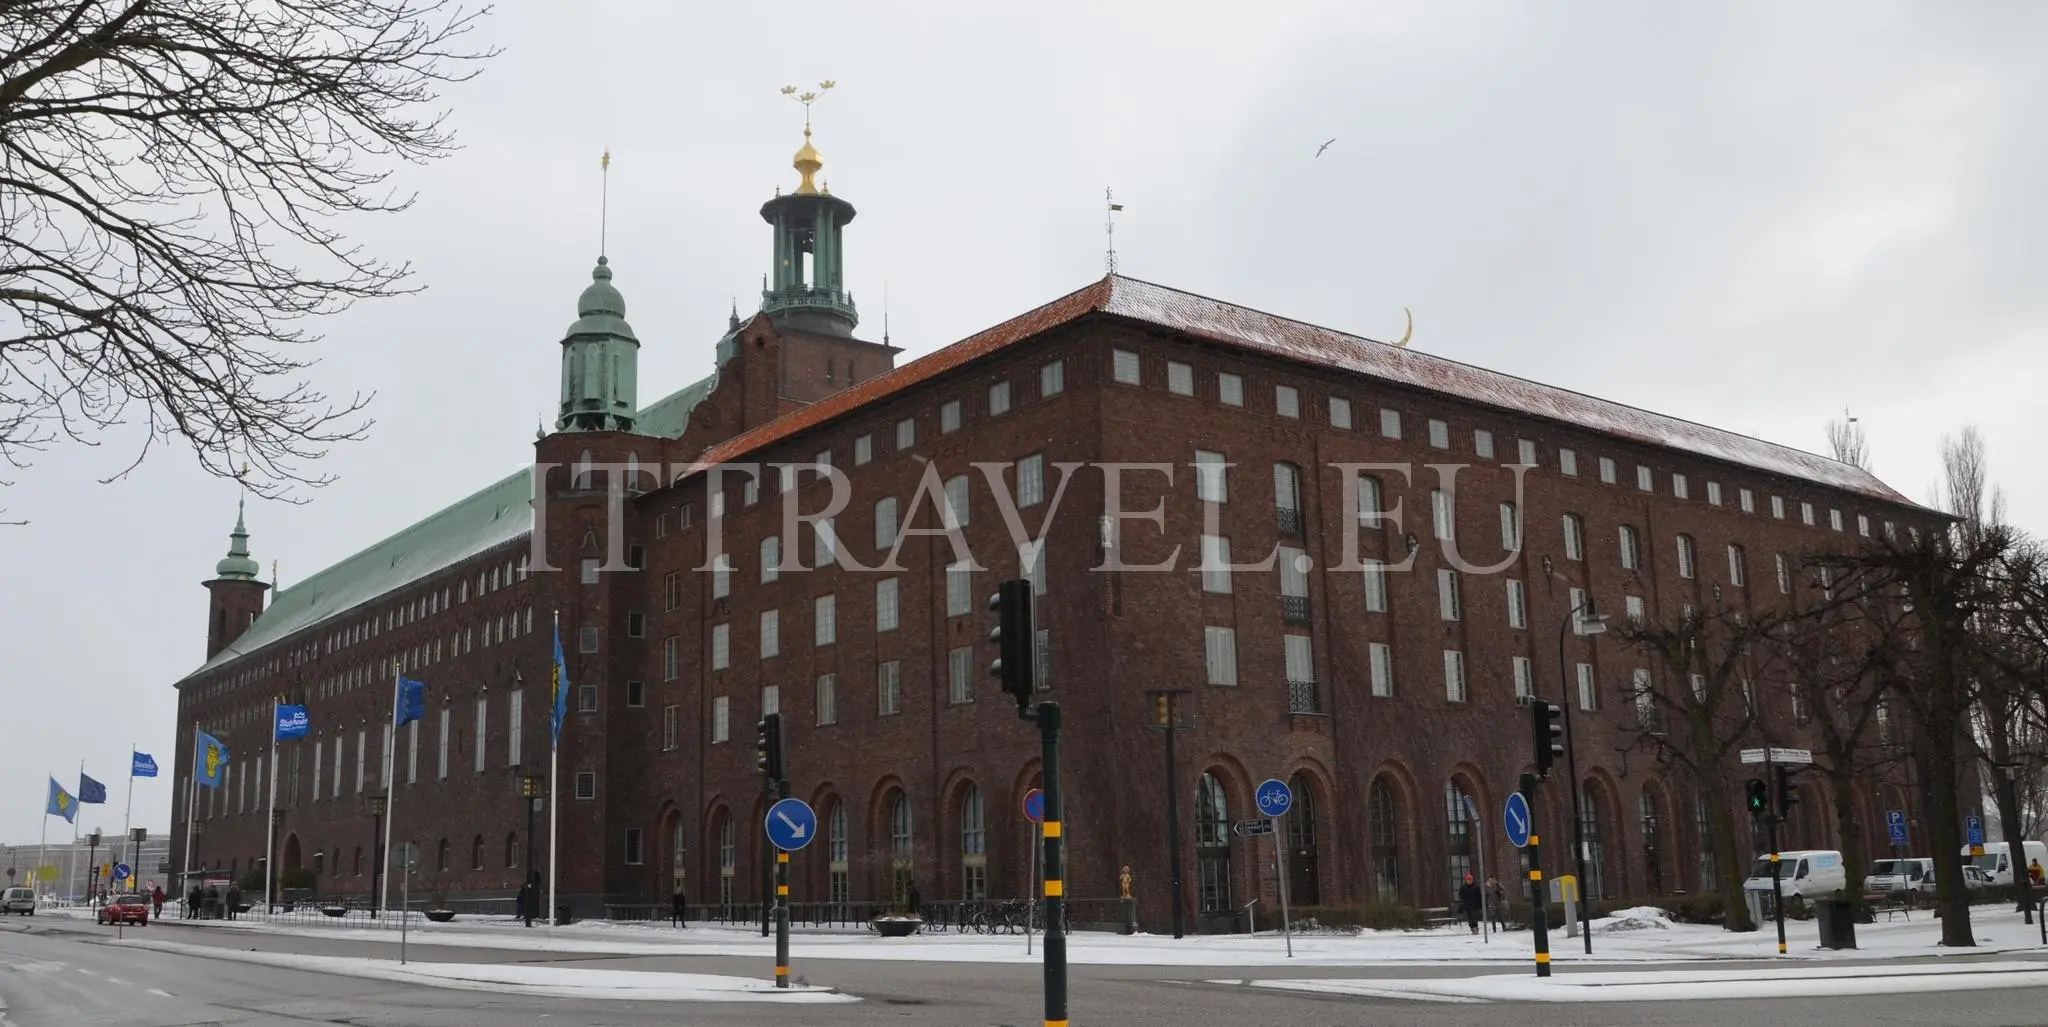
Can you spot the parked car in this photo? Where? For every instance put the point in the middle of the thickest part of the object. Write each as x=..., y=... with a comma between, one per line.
x=126, y=909
x=1894, y=875
x=1975, y=876
x=1997, y=859
x=19, y=900
x=1807, y=874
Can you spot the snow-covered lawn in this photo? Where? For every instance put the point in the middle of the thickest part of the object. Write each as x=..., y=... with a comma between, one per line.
x=1637, y=936
x=1672, y=985
x=521, y=979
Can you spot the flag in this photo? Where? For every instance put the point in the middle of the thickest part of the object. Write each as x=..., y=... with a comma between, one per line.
x=212, y=768
x=144, y=765
x=293, y=722
x=412, y=702
x=90, y=790
x=1116, y=206
x=61, y=803
x=559, y=706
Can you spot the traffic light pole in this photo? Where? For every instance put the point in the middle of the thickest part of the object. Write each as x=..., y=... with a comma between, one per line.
x=1539, y=914
x=1048, y=717
x=1777, y=889
x=782, y=903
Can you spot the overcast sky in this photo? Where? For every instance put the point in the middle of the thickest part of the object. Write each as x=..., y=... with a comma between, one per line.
x=1750, y=214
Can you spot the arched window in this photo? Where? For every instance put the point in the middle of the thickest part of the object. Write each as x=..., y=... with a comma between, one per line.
x=1458, y=836
x=581, y=476
x=1212, y=845
x=441, y=856
x=728, y=858
x=1595, y=884
x=1653, y=843
x=511, y=850
x=973, y=847
x=838, y=880
x=476, y=853
x=1703, y=832
x=902, y=850
x=359, y=861
x=1386, y=849
x=1302, y=879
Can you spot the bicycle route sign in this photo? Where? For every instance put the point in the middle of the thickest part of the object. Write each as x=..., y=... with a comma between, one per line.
x=1274, y=797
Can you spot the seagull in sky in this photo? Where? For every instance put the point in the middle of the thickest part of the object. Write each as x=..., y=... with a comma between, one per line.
x=1325, y=146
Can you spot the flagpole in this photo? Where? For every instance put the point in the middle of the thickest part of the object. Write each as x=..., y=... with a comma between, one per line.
x=42, y=847
x=554, y=775
x=270, y=814
x=390, y=793
x=71, y=865
x=127, y=820
x=183, y=885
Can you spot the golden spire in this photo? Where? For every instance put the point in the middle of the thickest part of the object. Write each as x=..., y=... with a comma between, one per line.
x=808, y=161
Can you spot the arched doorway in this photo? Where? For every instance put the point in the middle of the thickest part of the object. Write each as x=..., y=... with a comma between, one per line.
x=294, y=859
x=1459, y=848
x=1655, y=830
x=1302, y=873
x=1594, y=812
x=675, y=843
x=1383, y=811
x=1212, y=845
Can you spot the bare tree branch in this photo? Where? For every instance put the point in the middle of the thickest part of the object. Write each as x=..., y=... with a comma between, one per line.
x=1846, y=441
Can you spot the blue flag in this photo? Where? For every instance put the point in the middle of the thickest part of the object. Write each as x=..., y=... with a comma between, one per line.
x=412, y=702
x=90, y=790
x=211, y=768
x=558, y=706
x=144, y=765
x=293, y=722
x=61, y=803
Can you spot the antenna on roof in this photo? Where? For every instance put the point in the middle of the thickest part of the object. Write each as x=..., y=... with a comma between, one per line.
x=885, y=311
x=604, y=189
x=1109, y=227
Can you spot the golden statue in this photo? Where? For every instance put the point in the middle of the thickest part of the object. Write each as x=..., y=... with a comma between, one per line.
x=1123, y=881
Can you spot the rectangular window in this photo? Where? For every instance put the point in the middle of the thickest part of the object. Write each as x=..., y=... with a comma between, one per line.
x=1678, y=487
x=1518, y=604
x=959, y=590
x=1687, y=559
x=586, y=698
x=888, y=688
x=823, y=461
x=1589, y=692
x=1381, y=659
x=672, y=586
x=1441, y=514
x=1052, y=379
x=1211, y=482
x=824, y=544
x=1447, y=604
x=906, y=433
x=1633, y=605
x=1607, y=470
x=671, y=659
x=590, y=569
x=1215, y=564
x=636, y=625
x=721, y=576
x=1031, y=481
x=587, y=639
x=886, y=610
x=863, y=449
x=1568, y=462
x=1835, y=519
x=1575, y=600
x=1510, y=528
x=632, y=847
x=1629, y=557
x=515, y=716
x=885, y=522
x=1439, y=434
x=1738, y=570
x=1646, y=479
x=1454, y=676
x=1390, y=423
x=1778, y=507
x=1482, y=443
x=771, y=634
x=586, y=784
x=1748, y=500
x=1298, y=656
x=825, y=620
x=827, y=699
x=1574, y=537
x=1219, y=655
x=1125, y=365
x=1863, y=525
x=668, y=727
x=1784, y=575
x=999, y=398
x=956, y=500
x=1526, y=450
x=1340, y=413
x=1180, y=378
x=721, y=719
x=960, y=675
x=412, y=754
x=1525, y=677
x=949, y=417
x=1042, y=650
x=771, y=699
x=483, y=731
x=721, y=646
x=1806, y=514
x=636, y=694
x=1645, y=697
x=1031, y=558
x=1230, y=390
x=1286, y=401
x=1714, y=493
x=1375, y=586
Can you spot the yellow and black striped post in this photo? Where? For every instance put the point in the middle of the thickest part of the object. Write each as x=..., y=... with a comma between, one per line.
x=1055, y=870
x=781, y=919
x=1539, y=913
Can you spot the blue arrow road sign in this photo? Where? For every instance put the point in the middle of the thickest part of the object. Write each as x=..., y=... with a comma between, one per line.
x=120, y=871
x=1976, y=825
x=1274, y=797
x=791, y=824
x=1516, y=819
x=1895, y=819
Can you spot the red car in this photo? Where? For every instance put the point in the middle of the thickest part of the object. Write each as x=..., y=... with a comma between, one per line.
x=126, y=909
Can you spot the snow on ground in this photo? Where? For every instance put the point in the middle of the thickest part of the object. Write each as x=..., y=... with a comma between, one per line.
x=1673, y=985
x=519, y=979
x=1633, y=935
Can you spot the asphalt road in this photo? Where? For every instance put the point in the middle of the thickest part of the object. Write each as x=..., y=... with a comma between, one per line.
x=56, y=973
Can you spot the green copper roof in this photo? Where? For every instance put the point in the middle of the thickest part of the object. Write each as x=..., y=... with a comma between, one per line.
x=667, y=417
x=601, y=310
x=237, y=566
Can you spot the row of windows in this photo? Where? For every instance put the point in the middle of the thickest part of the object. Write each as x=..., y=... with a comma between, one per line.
x=961, y=676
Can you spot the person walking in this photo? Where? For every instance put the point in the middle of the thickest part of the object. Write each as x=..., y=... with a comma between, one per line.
x=234, y=900
x=2034, y=873
x=1498, y=898
x=1469, y=900
x=678, y=908
x=156, y=901
x=192, y=898
x=525, y=910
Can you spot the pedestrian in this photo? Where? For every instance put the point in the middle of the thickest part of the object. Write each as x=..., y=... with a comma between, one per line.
x=525, y=910
x=1469, y=899
x=192, y=897
x=156, y=901
x=1499, y=897
x=2034, y=872
x=209, y=903
x=678, y=907
x=913, y=899
x=234, y=900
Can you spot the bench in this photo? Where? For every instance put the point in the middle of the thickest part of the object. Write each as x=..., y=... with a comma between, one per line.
x=1891, y=905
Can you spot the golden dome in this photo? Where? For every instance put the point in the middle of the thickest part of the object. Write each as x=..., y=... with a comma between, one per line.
x=808, y=161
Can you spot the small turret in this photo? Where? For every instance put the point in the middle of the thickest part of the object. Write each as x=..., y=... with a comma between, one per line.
x=235, y=595
x=600, y=360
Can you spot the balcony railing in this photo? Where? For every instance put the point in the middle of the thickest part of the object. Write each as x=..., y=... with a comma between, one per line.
x=1289, y=521
x=1294, y=611
x=1303, y=697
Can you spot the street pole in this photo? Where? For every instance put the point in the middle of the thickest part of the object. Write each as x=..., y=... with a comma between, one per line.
x=1173, y=853
x=1280, y=870
x=782, y=901
x=1539, y=914
x=376, y=854
x=1777, y=889
x=768, y=883
x=1571, y=755
x=1055, y=867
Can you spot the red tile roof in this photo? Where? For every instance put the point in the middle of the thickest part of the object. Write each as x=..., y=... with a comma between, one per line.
x=1230, y=325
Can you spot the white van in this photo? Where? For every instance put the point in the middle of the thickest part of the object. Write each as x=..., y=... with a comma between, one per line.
x=1808, y=874
x=1893, y=875
x=1996, y=860
x=18, y=900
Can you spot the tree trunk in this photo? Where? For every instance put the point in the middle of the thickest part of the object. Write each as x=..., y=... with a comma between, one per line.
x=1855, y=860
x=2007, y=794
x=1937, y=766
x=1713, y=782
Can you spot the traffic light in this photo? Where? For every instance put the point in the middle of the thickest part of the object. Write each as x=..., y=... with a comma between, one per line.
x=768, y=747
x=1014, y=664
x=1788, y=796
x=1162, y=709
x=1548, y=727
x=1758, y=797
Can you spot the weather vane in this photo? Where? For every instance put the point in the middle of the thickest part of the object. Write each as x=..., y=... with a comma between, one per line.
x=808, y=97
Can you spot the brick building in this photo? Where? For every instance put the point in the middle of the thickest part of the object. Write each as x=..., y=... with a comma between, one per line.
x=1368, y=644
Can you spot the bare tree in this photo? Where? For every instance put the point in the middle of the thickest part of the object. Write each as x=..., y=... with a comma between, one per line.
x=1703, y=716
x=172, y=178
x=1966, y=489
x=1846, y=441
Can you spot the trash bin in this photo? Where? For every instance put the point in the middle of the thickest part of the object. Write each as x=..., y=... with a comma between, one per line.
x=562, y=917
x=1837, y=919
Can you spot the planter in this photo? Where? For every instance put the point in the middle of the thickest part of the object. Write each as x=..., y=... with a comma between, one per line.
x=334, y=910
x=440, y=916
x=897, y=926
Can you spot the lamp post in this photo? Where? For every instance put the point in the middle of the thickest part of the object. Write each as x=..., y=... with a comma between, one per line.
x=376, y=853
x=92, y=869
x=1166, y=719
x=1582, y=620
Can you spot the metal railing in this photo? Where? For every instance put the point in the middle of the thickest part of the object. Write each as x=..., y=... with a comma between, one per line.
x=1294, y=611
x=1303, y=697
x=1288, y=521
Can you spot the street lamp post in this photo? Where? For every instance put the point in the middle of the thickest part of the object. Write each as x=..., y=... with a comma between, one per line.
x=376, y=854
x=1585, y=622
x=1166, y=718
x=92, y=869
